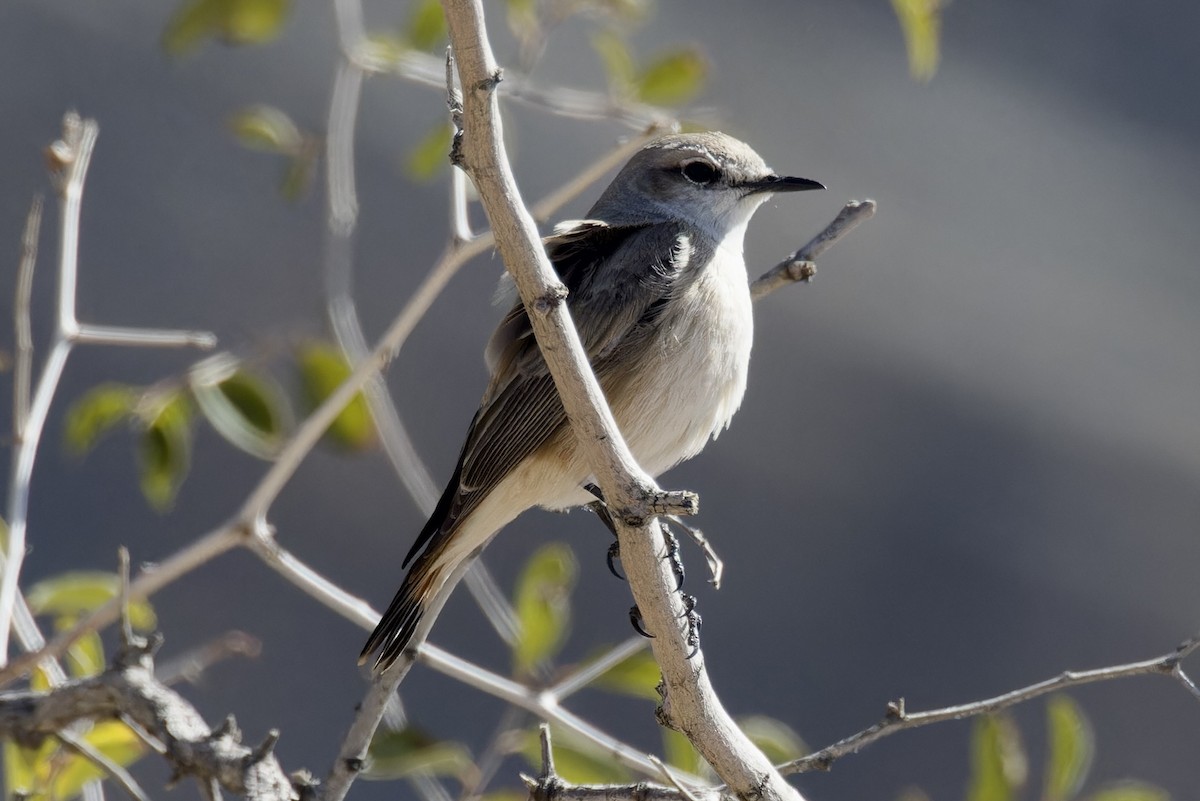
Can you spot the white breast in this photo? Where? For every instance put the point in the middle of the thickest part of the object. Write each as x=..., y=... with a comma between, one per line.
x=693, y=382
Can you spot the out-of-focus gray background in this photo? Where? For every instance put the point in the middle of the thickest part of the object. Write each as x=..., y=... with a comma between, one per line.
x=969, y=456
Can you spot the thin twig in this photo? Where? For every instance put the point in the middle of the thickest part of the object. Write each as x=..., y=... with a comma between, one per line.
x=70, y=157
x=192, y=663
x=798, y=266
x=593, y=670
x=669, y=775
x=149, y=581
x=427, y=70
x=548, y=771
x=21, y=318
x=115, y=772
x=91, y=334
x=716, y=565
x=548, y=206
x=127, y=635
x=899, y=719
x=499, y=746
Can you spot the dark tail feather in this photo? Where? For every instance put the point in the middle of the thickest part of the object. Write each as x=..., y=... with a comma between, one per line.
x=399, y=623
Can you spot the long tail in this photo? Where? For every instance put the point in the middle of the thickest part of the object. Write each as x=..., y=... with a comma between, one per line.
x=398, y=626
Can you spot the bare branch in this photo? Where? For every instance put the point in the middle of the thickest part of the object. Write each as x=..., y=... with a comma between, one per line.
x=428, y=70
x=798, y=266
x=21, y=318
x=115, y=772
x=148, y=582
x=129, y=690
x=899, y=719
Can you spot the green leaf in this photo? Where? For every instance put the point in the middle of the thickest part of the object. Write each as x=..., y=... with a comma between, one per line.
x=394, y=754
x=1130, y=791
x=298, y=175
x=576, y=760
x=431, y=154
x=1071, y=746
x=26, y=769
x=523, y=19
x=68, y=596
x=236, y=22
x=52, y=773
x=85, y=657
x=426, y=25
x=998, y=764
x=921, y=23
x=777, y=740
x=113, y=739
x=94, y=414
x=254, y=21
x=637, y=676
x=165, y=451
x=384, y=47
x=543, y=605
x=263, y=127
x=673, y=78
x=323, y=369
x=679, y=752
x=618, y=63
x=245, y=408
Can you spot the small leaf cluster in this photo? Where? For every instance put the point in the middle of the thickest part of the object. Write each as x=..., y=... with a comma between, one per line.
x=240, y=401
x=267, y=129
x=50, y=771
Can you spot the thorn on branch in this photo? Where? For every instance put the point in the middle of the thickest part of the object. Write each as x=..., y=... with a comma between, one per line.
x=264, y=749
x=128, y=638
x=547, y=752
x=227, y=728
x=895, y=710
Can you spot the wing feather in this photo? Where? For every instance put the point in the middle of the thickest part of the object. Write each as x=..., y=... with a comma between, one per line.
x=521, y=409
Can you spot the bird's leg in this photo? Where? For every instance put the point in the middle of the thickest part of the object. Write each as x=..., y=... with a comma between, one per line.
x=601, y=510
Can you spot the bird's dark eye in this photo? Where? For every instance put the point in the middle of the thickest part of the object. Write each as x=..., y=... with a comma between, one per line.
x=699, y=172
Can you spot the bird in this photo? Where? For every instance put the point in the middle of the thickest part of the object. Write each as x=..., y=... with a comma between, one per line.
x=659, y=293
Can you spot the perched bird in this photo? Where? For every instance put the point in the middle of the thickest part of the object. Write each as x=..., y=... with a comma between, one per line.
x=659, y=293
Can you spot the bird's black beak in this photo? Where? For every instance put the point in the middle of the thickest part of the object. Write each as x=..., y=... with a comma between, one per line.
x=782, y=183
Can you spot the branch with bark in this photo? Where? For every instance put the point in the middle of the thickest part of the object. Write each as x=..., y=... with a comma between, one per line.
x=129, y=691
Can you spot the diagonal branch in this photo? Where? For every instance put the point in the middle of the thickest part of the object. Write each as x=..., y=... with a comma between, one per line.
x=799, y=266
x=899, y=719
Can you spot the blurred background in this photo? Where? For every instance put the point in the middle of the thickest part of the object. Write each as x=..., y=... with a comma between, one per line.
x=969, y=456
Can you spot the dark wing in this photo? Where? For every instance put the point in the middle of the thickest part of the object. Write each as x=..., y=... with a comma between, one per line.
x=521, y=409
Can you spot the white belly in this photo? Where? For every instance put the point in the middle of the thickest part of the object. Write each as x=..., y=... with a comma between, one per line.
x=693, y=382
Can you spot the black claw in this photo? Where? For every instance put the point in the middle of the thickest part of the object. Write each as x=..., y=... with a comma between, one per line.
x=596, y=491
x=689, y=604
x=635, y=617
x=614, y=553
